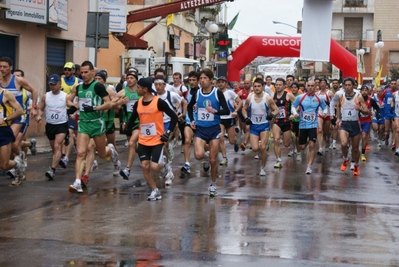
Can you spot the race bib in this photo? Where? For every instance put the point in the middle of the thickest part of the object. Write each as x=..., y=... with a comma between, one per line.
x=86, y=101
x=348, y=112
x=148, y=129
x=258, y=118
x=309, y=116
x=389, y=100
x=1, y=114
x=204, y=115
x=130, y=104
x=281, y=113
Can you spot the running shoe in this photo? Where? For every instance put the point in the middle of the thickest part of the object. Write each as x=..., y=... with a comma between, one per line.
x=84, y=180
x=363, y=157
x=50, y=174
x=256, y=156
x=367, y=147
x=356, y=170
x=186, y=168
x=298, y=156
x=291, y=153
x=63, y=162
x=76, y=187
x=237, y=129
x=169, y=177
x=243, y=146
x=352, y=166
x=397, y=152
x=94, y=166
x=262, y=172
x=155, y=195
x=117, y=168
x=114, y=154
x=32, y=147
x=212, y=190
x=236, y=147
x=308, y=170
x=125, y=173
x=320, y=152
x=224, y=162
x=334, y=146
x=379, y=143
x=344, y=165
x=17, y=181
x=278, y=165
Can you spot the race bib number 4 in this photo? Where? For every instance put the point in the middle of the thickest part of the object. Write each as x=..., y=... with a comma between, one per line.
x=204, y=115
x=148, y=129
x=309, y=116
x=348, y=112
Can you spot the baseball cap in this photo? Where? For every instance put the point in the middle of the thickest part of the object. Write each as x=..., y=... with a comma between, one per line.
x=69, y=65
x=147, y=83
x=54, y=78
x=222, y=78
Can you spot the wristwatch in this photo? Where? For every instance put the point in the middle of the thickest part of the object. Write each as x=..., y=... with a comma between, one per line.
x=5, y=119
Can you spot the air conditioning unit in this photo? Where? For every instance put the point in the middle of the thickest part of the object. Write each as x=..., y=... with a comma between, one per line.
x=5, y=4
x=366, y=50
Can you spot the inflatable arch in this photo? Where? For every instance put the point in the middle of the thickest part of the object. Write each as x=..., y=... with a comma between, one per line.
x=271, y=46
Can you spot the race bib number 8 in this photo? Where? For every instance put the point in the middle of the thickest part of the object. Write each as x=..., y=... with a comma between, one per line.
x=148, y=129
x=204, y=115
x=309, y=116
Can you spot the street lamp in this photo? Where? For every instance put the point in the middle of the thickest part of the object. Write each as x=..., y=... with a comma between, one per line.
x=212, y=28
x=378, y=45
x=281, y=33
x=286, y=24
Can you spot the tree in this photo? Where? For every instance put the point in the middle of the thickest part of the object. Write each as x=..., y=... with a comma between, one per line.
x=394, y=72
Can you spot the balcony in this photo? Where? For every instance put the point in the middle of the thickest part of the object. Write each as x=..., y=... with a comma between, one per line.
x=355, y=3
x=353, y=6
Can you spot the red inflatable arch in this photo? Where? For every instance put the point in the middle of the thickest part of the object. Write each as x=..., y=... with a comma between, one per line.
x=271, y=46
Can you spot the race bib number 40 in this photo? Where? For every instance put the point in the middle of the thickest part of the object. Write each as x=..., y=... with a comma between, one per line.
x=204, y=115
x=148, y=129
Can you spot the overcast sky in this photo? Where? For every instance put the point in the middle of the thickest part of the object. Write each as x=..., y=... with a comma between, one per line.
x=256, y=17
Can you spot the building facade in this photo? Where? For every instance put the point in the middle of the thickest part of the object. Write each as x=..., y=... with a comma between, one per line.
x=357, y=22
x=40, y=40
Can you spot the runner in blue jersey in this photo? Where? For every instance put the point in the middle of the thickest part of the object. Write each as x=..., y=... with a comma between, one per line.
x=210, y=105
x=389, y=114
x=309, y=104
x=378, y=121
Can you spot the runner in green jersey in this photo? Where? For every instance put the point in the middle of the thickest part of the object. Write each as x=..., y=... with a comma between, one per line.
x=93, y=101
x=127, y=98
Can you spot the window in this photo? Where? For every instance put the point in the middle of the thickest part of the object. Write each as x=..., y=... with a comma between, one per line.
x=394, y=57
x=353, y=28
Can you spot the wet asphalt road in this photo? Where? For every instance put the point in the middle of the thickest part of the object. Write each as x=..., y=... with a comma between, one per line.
x=286, y=218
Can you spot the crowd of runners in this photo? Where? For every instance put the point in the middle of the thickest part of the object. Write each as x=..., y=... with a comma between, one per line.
x=203, y=112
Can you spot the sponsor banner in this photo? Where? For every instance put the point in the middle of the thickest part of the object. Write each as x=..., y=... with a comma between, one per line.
x=117, y=14
x=316, y=30
x=189, y=4
x=28, y=10
x=58, y=13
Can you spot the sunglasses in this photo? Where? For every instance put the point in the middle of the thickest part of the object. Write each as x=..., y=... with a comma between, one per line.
x=68, y=69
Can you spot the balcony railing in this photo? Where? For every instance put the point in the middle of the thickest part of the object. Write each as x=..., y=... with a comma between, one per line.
x=355, y=3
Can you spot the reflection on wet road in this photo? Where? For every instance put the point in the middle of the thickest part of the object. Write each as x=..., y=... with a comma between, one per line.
x=286, y=218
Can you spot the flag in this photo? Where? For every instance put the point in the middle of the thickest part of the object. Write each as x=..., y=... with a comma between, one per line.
x=377, y=81
x=233, y=21
x=170, y=17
